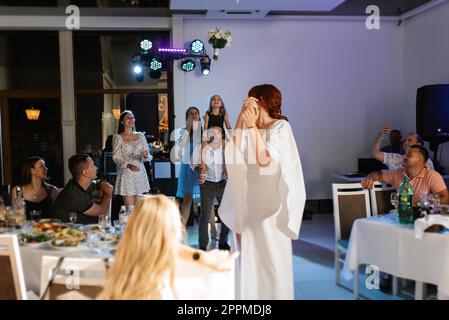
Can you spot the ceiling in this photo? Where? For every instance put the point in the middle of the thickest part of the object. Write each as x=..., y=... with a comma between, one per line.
x=236, y=8
x=296, y=7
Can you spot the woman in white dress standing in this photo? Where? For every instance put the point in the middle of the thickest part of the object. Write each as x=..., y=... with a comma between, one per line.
x=264, y=199
x=129, y=151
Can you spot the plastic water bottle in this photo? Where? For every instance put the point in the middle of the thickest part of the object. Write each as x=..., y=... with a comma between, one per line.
x=405, y=209
x=123, y=215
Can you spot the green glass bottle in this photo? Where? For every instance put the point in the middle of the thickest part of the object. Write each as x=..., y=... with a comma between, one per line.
x=405, y=209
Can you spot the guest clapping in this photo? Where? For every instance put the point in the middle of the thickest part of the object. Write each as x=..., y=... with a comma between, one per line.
x=212, y=184
x=77, y=193
x=129, y=150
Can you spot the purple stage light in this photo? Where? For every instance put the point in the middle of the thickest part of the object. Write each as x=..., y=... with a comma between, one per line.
x=172, y=50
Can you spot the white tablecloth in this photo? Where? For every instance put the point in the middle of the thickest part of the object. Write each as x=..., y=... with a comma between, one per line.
x=192, y=282
x=32, y=257
x=383, y=242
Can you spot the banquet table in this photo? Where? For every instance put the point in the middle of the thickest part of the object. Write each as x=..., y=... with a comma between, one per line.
x=393, y=247
x=32, y=258
x=192, y=281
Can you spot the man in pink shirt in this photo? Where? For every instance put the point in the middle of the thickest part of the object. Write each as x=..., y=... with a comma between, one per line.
x=422, y=178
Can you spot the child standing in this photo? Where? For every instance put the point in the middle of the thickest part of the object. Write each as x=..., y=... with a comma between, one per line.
x=212, y=185
x=216, y=115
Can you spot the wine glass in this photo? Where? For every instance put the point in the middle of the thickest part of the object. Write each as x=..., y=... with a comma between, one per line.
x=394, y=201
x=425, y=199
x=73, y=216
x=436, y=199
x=435, y=203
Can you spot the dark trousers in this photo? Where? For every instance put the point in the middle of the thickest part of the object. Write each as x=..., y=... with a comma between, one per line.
x=209, y=191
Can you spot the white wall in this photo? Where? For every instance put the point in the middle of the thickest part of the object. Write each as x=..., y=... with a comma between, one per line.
x=339, y=81
x=426, y=60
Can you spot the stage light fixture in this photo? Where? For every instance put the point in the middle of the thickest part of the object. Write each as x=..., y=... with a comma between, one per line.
x=146, y=44
x=137, y=69
x=139, y=77
x=188, y=65
x=197, y=46
x=172, y=50
x=155, y=74
x=151, y=60
x=155, y=64
x=205, y=66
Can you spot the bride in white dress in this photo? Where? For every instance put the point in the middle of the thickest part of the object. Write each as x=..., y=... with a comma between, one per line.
x=264, y=198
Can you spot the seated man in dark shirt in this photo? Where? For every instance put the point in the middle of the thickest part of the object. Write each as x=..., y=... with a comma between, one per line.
x=77, y=193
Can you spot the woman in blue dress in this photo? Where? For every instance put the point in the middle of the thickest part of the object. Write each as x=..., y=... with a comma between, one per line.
x=189, y=143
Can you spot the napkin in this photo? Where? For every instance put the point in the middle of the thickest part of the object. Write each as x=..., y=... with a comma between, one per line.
x=423, y=223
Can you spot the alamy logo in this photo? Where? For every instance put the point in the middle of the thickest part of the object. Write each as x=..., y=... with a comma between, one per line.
x=72, y=22
x=373, y=277
x=72, y=280
x=372, y=22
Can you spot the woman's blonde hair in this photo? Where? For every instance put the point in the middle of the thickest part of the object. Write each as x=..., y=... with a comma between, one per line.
x=146, y=256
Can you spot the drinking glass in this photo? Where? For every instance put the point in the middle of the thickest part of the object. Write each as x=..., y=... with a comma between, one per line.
x=35, y=215
x=104, y=222
x=385, y=132
x=435, y=203
x=394, y=201
x=436, y=199
x=73, y=216
x=425, y=200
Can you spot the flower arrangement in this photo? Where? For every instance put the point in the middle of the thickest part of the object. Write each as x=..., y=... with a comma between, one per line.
x=219, y=39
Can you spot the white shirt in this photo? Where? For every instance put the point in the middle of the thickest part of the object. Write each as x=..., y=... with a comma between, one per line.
x=215, y=164
x=183, y=146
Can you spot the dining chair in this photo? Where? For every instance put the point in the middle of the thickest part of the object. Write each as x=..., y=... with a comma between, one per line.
x=380, y=198
x=351, y=202
x=72, y=278
x=12, y=279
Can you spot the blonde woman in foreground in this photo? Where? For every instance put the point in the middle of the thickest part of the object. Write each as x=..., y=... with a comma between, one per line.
x=145, y=261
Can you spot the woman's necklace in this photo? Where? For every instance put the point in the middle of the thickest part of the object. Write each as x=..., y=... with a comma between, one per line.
x=35, y=193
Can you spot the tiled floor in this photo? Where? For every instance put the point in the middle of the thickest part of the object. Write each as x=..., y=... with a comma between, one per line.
x=313, y=260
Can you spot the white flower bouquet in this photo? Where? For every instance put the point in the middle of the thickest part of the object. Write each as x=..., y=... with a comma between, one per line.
x=219, y=39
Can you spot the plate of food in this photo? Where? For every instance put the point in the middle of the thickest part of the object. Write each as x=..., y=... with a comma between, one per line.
x=49, y=220
x=48, y=227
x=69, y=244
x=109, y=239
x=34, y=240
x=68, y=239
x=68, y=233
x=92, y=228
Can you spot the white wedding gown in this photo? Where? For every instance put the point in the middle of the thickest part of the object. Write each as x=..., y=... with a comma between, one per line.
x=265, y=206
